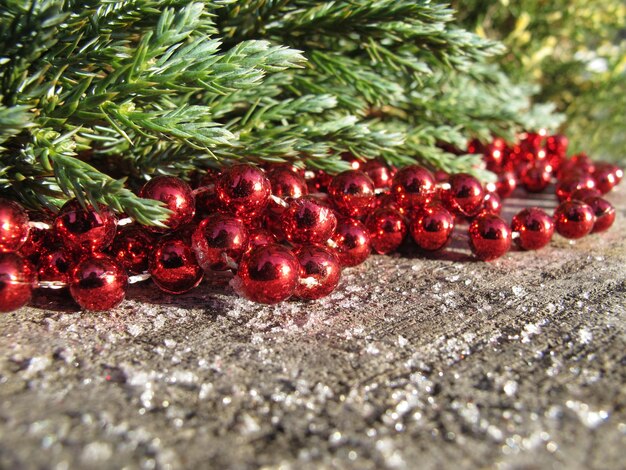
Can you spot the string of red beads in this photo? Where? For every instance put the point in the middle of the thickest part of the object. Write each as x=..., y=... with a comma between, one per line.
x=278, y=232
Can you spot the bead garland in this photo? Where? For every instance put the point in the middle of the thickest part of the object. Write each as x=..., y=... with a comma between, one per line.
x=279, y=232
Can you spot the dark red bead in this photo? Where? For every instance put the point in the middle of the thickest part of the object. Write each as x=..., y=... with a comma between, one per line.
x=606, y=177
x=387, y=229
x=583, y=162
x=308, y=221
x=131, y=248
x=465, y=195
x=413, y=186
x=320, y=271
x=260, y=237
x=319, y=182
x=574, y=219
x=584, y=193
x=13, y=225
x=54, y=266
x=287, y=184
x=507, y=182
x=17, y=278
x=173, y=266
x=176, y=195
x=39, y=238
x=352, y=193
x=490, y=237
x=492, y=203
x=379, y=172
x=604, y=212
x=534, y=228
x=268, y=274
x=494, y=155
x=98, y=282
x=244, y=190
x=85, y=229
x=219, y=242
x=557, y=144
x=351, y=242
x=566, y=187
x=536, y=177
x=432, y=227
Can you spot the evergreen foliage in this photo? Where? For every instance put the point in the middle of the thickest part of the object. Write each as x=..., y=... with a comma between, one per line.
x=99, y=95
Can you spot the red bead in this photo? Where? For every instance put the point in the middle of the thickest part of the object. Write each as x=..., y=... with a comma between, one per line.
x=352, y=192
x=536, y=177
x=319, y=182
x=173, y=266
x=98, y=282
x=39, y=239
x=244, y=190
x=131, y=248
x=465, y=195
x=351, y=242
x=606, y=177
x=432, y=227
x=557, y=144
x=566, y=187
x=534, y=228
x=584, y=193
x=85, y=229
x=319, y=271
x=490, y=237
x=573, y=219
x=177, y=197
x=507, y=182
x=379, y=172
x=387, y=229
x=308, y=221
x=268, y=274
x=54, y=266
x=287, y=184
x=583, y=162
x=260, y=237
x=492, y=203
x=413, y=186
x=219, y=241
x=604, y=212
x=13, y=225
x=17, y=278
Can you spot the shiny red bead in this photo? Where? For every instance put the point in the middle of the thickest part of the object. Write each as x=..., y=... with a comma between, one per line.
x=287, y=184
x=566, y=187
x=574, y=219
x=85, y=229
x=98, y=282
x=432, y=227
x=489, y=236
x=584, y=193
x=465, y=195
x=244, y=190
x=318, y=182
x=379, y=172
x=536, y=177
x=131, y=248
x=39, y=239
x=557, y=144
x=387, y=229
x=507, y=182
x=17, y=278
x=413, y=186
x=268, y=274
x=534, y=228
x=219, y=242
x=320, y=271
x=492, y=203
x=604, y=212
x=260, y=237
x=13, y=225
x=606, y=177
x=306, y=220
x=176, y=195
x=173, y=266
x=351, y=242
x=352, y=193
x=54, y=266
